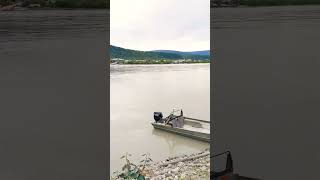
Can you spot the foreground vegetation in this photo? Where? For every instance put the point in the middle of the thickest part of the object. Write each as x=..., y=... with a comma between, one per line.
x=277, y=2
x=187, y=166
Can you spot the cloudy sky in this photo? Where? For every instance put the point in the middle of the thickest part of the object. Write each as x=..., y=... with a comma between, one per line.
x=182, y=25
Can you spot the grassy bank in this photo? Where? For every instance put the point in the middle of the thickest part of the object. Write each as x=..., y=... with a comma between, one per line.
x=278, y=2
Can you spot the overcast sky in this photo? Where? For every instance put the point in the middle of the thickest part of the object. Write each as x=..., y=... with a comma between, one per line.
x=182, y=25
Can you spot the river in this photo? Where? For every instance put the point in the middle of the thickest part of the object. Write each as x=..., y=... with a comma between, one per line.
x=53, y=94
x=265, y=107
x=54, y=98
x=139, y=90
x=266, y=90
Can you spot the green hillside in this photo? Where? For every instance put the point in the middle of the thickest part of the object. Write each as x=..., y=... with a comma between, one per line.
x=128, y=54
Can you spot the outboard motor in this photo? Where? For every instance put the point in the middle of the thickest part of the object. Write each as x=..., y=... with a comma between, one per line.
x=157, y=116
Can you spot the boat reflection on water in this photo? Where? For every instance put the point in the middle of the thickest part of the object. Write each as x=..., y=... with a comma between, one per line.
x=176, y=142
x=168, y=138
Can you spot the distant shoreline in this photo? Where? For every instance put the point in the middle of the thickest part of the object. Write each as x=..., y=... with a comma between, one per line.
x=261, y=3
x=158, y=64
x=51, y=8
x=268, y=3
x=19, y=5
x=145, y=62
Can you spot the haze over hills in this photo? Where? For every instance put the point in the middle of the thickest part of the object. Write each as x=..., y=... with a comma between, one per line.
x=129, y=54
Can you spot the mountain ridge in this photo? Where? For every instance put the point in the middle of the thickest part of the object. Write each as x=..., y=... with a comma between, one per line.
x=129, y=54
x=203, y=52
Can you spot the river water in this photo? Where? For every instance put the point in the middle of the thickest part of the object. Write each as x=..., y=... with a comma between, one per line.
x=53, y=94
x=265, y=106
x=53, y=98
x=139, y=90
x=266, y=89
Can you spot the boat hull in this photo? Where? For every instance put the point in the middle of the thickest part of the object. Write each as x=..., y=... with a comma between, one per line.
x=184, y=132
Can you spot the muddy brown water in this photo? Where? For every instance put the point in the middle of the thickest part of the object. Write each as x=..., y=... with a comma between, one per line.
x=53, y=95
x=139, y=90
x=266, y=90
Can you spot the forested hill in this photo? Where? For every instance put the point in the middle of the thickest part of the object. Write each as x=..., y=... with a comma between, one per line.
x=118, y=52
x=204, y=53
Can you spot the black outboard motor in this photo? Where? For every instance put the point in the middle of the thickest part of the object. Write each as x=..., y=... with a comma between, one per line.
x=157, y=116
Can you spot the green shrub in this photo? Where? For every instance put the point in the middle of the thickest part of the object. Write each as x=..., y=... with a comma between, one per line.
x=132, y=171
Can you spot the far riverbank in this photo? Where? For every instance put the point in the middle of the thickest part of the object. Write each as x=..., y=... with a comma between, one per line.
x=159, y=62
x=278, y=2
x=11, y=5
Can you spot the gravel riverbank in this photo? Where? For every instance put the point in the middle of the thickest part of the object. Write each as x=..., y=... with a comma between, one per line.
x=185, y=167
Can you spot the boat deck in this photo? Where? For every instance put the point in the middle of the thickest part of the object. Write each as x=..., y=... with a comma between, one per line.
x=202, y=130
x=193, y=128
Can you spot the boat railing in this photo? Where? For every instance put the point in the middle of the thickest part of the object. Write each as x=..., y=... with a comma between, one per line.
x=199, y=120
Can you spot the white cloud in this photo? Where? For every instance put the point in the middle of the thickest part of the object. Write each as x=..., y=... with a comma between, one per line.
x=160, y=24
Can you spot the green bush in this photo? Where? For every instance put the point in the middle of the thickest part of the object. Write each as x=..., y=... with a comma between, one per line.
x=131, y=171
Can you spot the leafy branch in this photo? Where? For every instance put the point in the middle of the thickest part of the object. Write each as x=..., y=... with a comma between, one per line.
x=132, y=171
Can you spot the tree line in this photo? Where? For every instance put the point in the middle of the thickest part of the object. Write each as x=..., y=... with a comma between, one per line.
x=277, y=2
x=103, y=4
x=218, y=3
x=128, y=54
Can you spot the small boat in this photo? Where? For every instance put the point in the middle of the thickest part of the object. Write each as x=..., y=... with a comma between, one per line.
x=185, y=126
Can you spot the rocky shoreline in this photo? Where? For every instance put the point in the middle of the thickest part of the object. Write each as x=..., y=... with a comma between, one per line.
x=194, y=166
